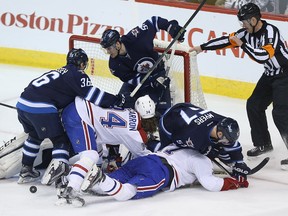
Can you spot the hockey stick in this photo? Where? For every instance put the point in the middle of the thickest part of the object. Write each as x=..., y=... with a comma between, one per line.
x=253, y=171
x=181, y=31
x=9, y=106
x=169, y=62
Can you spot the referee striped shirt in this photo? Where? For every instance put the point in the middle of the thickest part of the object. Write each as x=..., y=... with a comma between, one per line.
x=266, y=46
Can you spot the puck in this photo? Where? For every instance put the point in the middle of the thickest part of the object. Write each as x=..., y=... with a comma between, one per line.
x=33, y=189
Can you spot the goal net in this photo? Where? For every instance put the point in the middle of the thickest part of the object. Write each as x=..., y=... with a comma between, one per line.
x=184, y=74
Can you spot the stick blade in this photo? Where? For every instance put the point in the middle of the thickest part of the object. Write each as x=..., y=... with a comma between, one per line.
x=259, y=166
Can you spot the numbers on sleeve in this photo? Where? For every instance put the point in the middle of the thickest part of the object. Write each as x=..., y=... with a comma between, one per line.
x=45, y=78
x=113, y=120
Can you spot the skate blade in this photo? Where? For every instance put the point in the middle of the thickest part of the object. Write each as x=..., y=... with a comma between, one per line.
x=76, y=202
x=27, y=180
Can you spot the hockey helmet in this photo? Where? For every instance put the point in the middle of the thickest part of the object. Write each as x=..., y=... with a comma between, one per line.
x=248, y=11
x=76, y=57
x=145, y=106
x=109, y=38
x=229, y=128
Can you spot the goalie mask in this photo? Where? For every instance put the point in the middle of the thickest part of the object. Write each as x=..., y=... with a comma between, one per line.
x=109, y=38
x=145, y=106
x=248, y=11
x=76, y=57
x=230, y=130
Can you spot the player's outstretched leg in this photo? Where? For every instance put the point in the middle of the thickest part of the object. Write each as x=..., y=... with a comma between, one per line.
x=94, y=176
x=70, y=196
x=54, y=171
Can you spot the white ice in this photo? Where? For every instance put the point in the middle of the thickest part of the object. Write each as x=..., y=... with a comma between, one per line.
x=267, y=194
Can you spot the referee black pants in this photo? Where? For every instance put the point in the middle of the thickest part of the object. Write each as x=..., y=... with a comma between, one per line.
x=268, y=90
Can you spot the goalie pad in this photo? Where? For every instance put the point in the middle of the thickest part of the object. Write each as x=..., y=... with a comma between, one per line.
x=11, y=155
x=12, y=145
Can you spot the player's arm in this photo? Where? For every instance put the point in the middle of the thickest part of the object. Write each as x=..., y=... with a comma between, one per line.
x=263, y=53
x=226, y=41
x=172, y=27
x=82, y=84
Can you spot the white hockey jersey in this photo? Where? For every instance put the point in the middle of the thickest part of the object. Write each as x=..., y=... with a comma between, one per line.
x=189, y=166
x=114, y=126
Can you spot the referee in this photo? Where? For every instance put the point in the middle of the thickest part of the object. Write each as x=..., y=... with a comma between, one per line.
x=262, y=42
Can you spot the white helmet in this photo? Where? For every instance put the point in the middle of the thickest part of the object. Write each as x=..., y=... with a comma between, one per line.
x=145, y=106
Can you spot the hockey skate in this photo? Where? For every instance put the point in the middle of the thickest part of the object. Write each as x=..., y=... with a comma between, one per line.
x=94, y=176
x=260, y=150
x=28, y=174
x=54, y=171
x=70, y=196
x=284, y=164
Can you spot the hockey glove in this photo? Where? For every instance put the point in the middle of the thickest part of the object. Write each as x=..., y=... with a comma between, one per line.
x=161, y=83
x=124, y=100
x=240, y=171
x=173, y=30
x=231, y=184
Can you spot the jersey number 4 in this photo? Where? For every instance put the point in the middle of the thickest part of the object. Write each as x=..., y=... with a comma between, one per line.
x=113, y=120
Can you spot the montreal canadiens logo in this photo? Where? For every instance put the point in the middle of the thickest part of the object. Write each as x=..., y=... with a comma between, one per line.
x=144, y=64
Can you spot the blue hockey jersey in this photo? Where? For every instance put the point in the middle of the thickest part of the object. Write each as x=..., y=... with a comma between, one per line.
x=189, y=126
x=56, y=89
x=133, y=66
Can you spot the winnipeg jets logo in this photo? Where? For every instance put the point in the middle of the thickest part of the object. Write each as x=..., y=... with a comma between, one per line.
x=144, y=64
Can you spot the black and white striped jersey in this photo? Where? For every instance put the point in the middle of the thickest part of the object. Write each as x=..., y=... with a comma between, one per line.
x=266, y=47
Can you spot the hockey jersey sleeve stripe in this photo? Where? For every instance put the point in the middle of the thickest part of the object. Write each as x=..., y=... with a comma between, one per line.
x=86, y=136
x=259, y=55
x=95, y=95
x=154, y=22
x=163, y=127
x=214, y=44
x=33, y=107
x=233, y=43
x=269, y=48
x=90, y=112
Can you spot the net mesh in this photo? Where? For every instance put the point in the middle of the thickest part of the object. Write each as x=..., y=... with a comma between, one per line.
x=184, y=74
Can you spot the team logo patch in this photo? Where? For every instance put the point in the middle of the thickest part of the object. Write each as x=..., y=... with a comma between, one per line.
x=144, y=64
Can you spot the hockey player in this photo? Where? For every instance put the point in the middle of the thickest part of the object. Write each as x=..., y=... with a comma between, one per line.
x=207, y=132
x=40, y=104
x=263, y=43
x=132, y=55
x=89, y=127
x=168, y=169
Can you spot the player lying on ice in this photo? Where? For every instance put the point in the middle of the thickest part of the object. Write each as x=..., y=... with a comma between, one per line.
x=179, y=162
x=166, y=170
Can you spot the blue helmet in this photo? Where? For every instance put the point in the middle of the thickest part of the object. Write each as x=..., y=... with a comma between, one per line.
x=76, y=57
x=248, y=11
x=109, y=38
x=229, y=128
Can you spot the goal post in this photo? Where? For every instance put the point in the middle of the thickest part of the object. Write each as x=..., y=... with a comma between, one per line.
x=185, y=80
